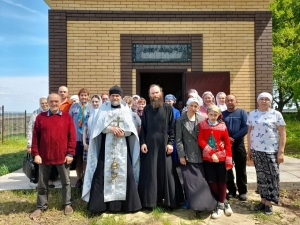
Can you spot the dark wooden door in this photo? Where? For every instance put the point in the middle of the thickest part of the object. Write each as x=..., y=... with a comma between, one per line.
x=206, y=81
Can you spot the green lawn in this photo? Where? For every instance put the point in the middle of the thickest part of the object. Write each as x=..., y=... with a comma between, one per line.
x=292, y=147
x=12, y=152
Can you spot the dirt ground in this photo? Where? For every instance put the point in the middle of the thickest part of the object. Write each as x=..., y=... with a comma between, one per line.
x=15, y=209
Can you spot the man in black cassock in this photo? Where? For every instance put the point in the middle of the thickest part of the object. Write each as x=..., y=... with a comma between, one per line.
x=158, y=183
x=112, y=171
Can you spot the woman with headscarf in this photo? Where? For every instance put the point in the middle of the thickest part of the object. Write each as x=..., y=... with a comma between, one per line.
x=171, y=100
x=208, y=100
x=140, y=107
x=88, y=126
x=197, y=191
x=192, y=93
x=266, y=141
x=220, y=98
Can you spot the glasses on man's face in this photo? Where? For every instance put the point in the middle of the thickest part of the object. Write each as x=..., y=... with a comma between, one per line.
x=264, y=99
x=44, y=103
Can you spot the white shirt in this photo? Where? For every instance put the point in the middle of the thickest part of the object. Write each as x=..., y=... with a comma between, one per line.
x=264, y=134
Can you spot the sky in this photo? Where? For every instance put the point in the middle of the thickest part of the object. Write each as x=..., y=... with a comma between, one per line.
x=23, y=54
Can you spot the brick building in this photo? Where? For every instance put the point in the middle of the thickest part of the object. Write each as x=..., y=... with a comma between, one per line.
x=214, y=45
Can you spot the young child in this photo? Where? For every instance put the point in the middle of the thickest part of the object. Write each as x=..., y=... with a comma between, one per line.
x=221, y=101
x=213, y=138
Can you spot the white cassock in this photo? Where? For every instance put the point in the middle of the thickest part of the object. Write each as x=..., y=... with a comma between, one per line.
x=115, y=151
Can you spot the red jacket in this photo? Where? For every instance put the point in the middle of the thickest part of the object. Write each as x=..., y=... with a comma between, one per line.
x=220, y=134
x=53, y=137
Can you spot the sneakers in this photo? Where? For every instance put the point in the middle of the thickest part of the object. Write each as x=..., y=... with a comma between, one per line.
x=230, y=195
x=68, y=210
x=268, y=210
x=243, y=197
x=35, y=214
x=218, y=212
x=259, y=207
x=227, y=209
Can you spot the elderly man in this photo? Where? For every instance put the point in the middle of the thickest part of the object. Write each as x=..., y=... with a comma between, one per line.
x=43, y=108
x=159, y=182
x=65, y=101
x=104, y=98
x=112, y=171
x=235, y=120
x=53, y=143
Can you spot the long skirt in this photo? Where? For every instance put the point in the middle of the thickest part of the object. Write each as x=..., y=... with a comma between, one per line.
x=267, y=172
x=197, y=191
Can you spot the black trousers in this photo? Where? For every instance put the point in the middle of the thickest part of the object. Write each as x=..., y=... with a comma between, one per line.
x=239, y=155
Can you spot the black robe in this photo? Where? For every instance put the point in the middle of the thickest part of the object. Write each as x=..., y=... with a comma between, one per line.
x=159, y=182
x=96, y=203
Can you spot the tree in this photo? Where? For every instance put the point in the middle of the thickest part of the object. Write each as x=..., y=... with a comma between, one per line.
x=286, y=51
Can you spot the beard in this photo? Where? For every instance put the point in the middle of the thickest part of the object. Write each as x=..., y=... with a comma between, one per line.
x=115, y=103
x=157, y=102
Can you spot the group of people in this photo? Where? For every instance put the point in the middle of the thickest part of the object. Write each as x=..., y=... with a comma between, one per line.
x=126, y=152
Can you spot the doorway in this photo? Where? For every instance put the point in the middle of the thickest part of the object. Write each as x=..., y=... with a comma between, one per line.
x=170, y=82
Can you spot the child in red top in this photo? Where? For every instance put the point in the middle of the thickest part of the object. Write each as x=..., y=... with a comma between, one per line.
x=213, y=138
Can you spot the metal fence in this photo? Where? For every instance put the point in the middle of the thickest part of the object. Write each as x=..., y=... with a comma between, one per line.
x=13, y=124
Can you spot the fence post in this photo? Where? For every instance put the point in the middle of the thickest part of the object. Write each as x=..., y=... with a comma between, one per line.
x=3, y=124
x=25, y=125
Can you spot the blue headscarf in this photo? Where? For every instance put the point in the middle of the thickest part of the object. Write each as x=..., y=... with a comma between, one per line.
x=170, y=97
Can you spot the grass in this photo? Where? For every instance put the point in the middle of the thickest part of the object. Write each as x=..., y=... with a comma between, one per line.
x=292, y=147
x=12, y=152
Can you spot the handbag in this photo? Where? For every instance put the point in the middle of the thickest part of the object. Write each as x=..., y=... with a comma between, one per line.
x=28, y=168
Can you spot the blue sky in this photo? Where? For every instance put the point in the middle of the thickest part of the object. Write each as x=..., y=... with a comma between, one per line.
x=23, y=53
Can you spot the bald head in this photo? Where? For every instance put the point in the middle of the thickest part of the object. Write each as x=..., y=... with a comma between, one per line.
x=231, y=102
x=54, y=102
x=63, y=93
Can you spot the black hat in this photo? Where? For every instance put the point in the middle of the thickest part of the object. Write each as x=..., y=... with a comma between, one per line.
x=116, y=90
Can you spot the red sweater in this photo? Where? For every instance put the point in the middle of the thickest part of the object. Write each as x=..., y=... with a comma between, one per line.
x=220, y=134
x=53, y=137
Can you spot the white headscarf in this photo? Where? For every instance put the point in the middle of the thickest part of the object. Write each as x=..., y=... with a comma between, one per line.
x=195, y=94
x=190, y=100
x=265, y=95
x=223, y=107
x=211, y=94
x=93, y=113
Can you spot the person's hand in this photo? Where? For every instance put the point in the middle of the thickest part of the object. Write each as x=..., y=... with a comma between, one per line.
x=29, y=150
x=249, y=155
x=169, y=149
x=182, y=161
x=86, y=147
x=215, y=158
x=231, y=140
x=280, y=158
x=228, y=168
x=38, y=159
x=117, y=131
x=68, y=160
x=144, y=148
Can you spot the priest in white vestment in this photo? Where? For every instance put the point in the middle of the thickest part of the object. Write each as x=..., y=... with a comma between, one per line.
x=112, y=171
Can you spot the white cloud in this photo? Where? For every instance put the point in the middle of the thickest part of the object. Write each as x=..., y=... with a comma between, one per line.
x=22, y=93
x=24, y=7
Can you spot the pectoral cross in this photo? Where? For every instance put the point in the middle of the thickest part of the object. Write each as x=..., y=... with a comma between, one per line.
x=118, y=121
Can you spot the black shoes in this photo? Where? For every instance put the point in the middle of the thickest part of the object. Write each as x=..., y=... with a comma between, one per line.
x=267, y=209
x=243, y=197
x=230, y=195
x=260, y=207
